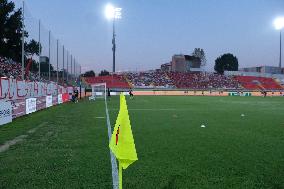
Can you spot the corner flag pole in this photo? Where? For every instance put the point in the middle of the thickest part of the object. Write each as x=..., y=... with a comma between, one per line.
x=120, y=176
x=122, y=142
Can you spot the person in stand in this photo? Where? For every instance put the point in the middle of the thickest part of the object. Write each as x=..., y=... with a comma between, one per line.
x=131, y=94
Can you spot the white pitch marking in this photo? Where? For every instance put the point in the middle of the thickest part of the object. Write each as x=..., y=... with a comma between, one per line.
x=100, y=117
x=18, y=139
x=9, y=143
x=115, y=181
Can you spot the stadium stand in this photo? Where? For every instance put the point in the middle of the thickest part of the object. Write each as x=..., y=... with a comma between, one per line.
x=258, y=83
x=113, y=81
x=203, y=81
x=180, y=80
x=9, y=68
x=280, y=81
x=150, y=79
x=12, y=69
x=157, y=79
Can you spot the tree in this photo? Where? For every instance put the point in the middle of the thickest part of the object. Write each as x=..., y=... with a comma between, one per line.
x=104, y=73
x=10, y=30
x=226, y=62
x=198, y=52
x=32, y=48
x=90, y=73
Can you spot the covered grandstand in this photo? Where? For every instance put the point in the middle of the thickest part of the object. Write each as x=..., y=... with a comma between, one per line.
x=190, y=81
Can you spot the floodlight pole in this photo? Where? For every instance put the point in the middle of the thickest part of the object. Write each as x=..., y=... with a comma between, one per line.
x=49, y=56
x=280, y=50
x=113, y=45
x=74, y=62
x=23, y=42
x=63, y=66
x=67, y=67
x=71, y=59
x=114, y=13
x=57, y=79
x=39, y=49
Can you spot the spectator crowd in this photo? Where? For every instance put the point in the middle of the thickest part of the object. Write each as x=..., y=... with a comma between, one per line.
x=182, y=80
x=150, y=79
x=9, y=68
x=158, y=79
x=12, y=69
x=203, y=80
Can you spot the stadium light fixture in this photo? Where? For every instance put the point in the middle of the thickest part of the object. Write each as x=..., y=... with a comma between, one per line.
x=109, y=11
x=279, y=25
x=113, y=13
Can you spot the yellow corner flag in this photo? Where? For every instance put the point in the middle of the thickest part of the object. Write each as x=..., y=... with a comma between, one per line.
x=122, y=142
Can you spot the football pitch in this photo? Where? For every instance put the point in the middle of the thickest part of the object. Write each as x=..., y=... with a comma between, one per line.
x=66, y=146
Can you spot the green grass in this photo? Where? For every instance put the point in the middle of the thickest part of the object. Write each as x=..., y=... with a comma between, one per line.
x=71, y=149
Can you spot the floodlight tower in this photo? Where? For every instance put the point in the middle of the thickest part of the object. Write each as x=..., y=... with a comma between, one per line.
x=113, y=13
x=279, y=25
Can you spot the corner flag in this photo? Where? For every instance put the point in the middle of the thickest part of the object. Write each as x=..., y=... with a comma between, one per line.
x=122, y=142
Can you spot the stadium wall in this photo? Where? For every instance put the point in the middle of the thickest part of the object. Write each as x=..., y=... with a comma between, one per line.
x=19, y=98
x=11, y=89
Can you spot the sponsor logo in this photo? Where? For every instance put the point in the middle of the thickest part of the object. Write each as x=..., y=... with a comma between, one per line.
x=5, y=113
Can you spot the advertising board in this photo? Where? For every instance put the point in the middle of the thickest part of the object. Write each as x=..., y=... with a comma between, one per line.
x=30, y=105
x=5, y=112
x=48, y=101
x=59, y=98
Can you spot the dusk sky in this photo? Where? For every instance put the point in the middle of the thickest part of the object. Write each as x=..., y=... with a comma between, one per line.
x=151, y=31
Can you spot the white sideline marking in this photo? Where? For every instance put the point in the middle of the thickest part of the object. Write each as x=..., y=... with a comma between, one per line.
x=115, y=181
x=20, y=138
